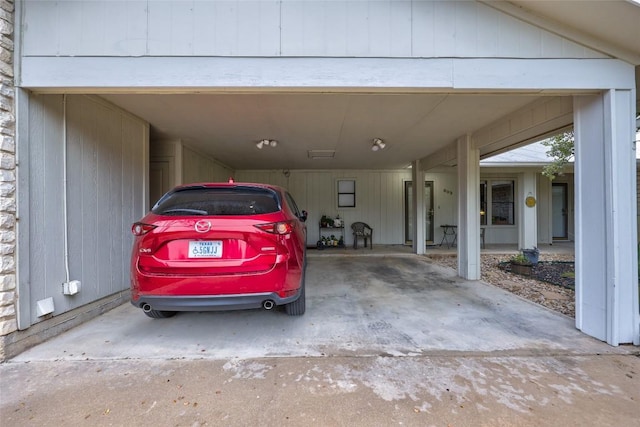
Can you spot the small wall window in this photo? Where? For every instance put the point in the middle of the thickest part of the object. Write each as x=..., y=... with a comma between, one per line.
x=497, y=202
x=346, y=193
x=502, y=206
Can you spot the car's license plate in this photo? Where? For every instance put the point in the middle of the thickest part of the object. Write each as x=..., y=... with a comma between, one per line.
x=205, y=249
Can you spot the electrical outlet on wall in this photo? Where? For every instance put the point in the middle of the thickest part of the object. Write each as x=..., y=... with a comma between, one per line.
x=71, y=288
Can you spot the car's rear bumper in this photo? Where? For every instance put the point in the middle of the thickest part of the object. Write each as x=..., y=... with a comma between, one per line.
x=211, y=302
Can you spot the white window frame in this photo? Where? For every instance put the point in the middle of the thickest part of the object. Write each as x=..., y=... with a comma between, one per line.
x=346, y=193
x=489, y=200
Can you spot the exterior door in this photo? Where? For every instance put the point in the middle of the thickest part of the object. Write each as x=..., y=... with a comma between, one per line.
x=158, y=181
x=428, y=208
x=160, y=176
x=559, y=211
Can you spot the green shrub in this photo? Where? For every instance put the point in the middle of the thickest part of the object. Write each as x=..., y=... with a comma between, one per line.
x=520, y=258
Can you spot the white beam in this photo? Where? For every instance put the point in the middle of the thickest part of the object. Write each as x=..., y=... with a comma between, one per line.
x=606, y=228
x=534, y=121
x=468, y=209
x=201, y=74
x=419, y=236
x=528, y=223
x=440, y=157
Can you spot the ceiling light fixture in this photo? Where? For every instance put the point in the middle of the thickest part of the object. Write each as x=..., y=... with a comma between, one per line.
x=266, y=143
x=378, y=144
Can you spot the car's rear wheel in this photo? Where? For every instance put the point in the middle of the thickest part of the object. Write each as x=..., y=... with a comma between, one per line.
x=298, y=307
x=158, y=314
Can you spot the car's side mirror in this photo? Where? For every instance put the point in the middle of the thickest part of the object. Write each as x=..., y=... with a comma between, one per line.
x=303, y=217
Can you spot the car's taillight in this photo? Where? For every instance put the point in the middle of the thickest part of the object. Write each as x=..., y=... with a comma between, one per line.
x=140, y=228
x=284, y=227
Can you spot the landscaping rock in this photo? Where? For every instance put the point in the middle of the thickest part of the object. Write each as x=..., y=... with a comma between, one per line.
x=546, y=286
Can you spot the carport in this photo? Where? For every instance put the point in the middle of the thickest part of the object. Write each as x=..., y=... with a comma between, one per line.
x=108, y=124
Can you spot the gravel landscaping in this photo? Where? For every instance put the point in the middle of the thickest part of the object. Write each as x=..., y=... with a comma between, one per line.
x=550, y=285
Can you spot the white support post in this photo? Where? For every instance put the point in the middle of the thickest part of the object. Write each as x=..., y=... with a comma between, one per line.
x=528, y=224
x=606, y=228
x=468, y=209
x=419, y=237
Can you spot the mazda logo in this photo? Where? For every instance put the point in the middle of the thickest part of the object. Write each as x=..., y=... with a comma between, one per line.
x=202, y=226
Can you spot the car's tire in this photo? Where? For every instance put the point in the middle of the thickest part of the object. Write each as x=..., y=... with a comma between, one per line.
x=158, y=314
x=298, y=307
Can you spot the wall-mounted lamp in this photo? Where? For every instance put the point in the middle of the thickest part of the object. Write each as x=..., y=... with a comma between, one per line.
x=378, y=144
x=266, y=143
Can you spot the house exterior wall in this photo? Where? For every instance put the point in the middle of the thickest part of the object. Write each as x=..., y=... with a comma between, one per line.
x=84, y=182
x=174, y=163
x=286, y=28
x=198, y=167
x=379, y=199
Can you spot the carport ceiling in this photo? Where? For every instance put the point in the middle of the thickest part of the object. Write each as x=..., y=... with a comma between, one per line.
x=227, y=126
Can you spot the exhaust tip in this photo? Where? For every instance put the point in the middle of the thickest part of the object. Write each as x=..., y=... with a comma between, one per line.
x=146, y=307
x=268, y=304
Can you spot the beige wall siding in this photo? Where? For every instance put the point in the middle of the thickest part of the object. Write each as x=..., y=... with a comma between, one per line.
x=270, y=28
x=173, y=163
x=106, y=153
x=379, y=199
x=198, y=167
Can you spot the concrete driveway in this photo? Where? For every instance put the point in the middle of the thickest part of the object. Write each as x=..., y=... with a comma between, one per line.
x=385, y=340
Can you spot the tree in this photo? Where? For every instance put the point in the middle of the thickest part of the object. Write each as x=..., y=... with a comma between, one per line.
x=561, y=150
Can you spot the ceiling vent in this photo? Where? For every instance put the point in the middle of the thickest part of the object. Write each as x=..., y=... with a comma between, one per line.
x=321, y=154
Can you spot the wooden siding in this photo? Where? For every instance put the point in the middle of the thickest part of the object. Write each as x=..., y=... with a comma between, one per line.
x=198, y=167
x=379, y=199
x=270, y=28
x=540, y=118
x=186, y=165
x=106, y=168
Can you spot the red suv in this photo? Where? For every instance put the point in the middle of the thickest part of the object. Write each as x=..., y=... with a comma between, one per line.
x=220, y=246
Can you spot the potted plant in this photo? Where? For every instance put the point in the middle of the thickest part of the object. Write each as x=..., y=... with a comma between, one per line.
x=532, y=255
x=520, y=264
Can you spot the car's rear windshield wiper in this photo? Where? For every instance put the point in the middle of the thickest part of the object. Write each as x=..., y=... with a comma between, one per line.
x=185, y=211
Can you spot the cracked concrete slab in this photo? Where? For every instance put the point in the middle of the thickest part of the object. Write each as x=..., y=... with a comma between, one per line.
x=385, y=340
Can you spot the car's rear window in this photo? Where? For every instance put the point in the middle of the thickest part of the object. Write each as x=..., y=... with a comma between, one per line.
x=218, y=201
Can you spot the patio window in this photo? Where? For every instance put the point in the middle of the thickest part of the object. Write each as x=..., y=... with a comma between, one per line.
x=346, y=193
x=497, y=202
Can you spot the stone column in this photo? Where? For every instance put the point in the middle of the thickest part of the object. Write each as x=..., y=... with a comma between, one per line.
x=7, y=176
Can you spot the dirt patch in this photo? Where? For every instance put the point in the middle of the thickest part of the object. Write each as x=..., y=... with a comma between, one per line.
x=561, y=273
x=551, y=284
